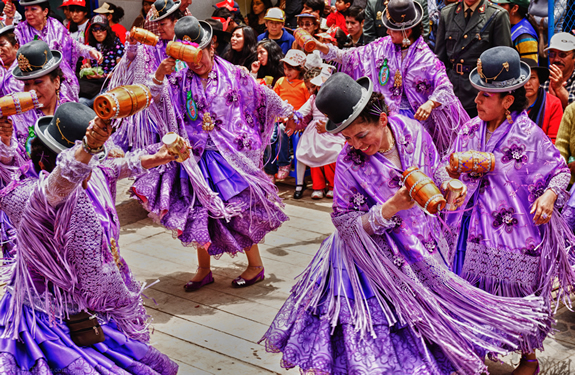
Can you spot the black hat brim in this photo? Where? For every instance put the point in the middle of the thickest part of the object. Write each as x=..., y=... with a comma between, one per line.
x=35, y=2
x=476, y=81
x=168, y=12
x=40, y=129
x=18, y=74
x=365, y=83
x=392, y=26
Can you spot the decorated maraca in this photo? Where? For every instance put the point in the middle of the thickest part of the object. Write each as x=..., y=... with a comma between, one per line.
x=472, y=161
x=144, y=36
x=422, y=189
x=305, y=40
x=184, y=52
x=18, y=103
x=123, y=101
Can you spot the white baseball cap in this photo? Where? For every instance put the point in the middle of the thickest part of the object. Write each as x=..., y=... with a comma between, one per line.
x=562, y=42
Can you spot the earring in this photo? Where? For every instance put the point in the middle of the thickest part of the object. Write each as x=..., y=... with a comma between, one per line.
x=508, y=116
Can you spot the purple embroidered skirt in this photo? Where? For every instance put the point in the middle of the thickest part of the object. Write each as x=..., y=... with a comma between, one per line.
x=168, y=195
x=51, y=351
x=307, y=339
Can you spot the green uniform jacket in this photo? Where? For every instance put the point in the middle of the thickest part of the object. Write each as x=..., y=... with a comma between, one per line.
x=453, y=35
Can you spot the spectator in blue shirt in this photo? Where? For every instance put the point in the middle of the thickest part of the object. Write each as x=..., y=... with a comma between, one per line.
x=275, y=20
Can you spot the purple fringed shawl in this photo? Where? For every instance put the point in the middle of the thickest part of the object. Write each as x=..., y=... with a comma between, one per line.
x=414, y=287
x=422, y=78
x=59, y=39
x=9, y=83
x=65, y=261
x=507, y=254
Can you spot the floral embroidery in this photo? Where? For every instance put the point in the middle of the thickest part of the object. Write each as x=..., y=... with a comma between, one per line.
x=396, y=91
x=249, y=119
x=406, y=141
x=484, y=185
x=232, y=98
x=429, y=243
x=476, y=239
x=394, y=181
x=356, y=200
x=536, y=189
x=504, y=218
x=398, y=222
x=423, y=86
x=531, y=248
x=200, y=104
x=357, y=157
x=243, y=141
x=398, y=261
x=216, y=121
x=515, y=152
x=472, y=177
x=468, y=132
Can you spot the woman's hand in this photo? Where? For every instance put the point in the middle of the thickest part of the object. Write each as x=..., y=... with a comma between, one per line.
x=290, y=127
x=167, y=66
x=6, y=130
x=452, y=173
x=399, y=202
x=424, y=111
x=96, y=55
x=256, y=67
x=543, y=207
x=320, y=127
x=98, y=133
x=163, y=156
x=10, y=12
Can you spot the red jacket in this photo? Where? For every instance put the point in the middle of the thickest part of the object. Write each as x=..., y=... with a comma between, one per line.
x=337, y=19
x=552, y=117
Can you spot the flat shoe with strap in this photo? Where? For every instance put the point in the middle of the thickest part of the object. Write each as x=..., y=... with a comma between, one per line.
x=195, y=285
x=240, y=282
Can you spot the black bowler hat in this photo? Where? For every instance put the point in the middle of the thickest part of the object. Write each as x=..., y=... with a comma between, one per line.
x=402, y=14
x=35, y=59
x=218, y=30
x=189, y=29
x=499, y=69
x=542, y=72
x=163, y=8
x=342, y=99
x=68, y=125
x=31, y=2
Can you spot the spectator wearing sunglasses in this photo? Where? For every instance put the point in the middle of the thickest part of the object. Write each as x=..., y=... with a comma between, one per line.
x=561, y=81
x=102, y=37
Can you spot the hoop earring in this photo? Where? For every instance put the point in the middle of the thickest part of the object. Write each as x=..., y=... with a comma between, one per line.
x=508, y=116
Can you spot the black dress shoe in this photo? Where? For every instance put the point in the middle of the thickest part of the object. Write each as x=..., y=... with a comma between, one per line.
x=298, y=191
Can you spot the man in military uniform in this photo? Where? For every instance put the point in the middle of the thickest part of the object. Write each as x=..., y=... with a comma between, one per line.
x=373, y=28
x=466, y=29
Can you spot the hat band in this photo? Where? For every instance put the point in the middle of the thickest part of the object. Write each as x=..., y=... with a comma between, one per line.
x=47, y=65
x=506, y=83
x=400, y=24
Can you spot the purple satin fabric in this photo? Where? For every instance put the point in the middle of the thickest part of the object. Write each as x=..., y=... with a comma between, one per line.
x=222, y=178
x=9, y=83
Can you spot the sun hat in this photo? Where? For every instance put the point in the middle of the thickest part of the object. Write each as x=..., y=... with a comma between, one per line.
x=35, y=59
x=342, y=99
x=499, y=69
x=295, y=57
x=68, y=125
x=275, y=14
x=104, y=9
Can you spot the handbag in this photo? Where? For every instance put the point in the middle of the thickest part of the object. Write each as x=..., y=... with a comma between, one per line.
x=85, y=329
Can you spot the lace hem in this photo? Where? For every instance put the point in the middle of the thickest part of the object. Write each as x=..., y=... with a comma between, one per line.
x=8, y=152
x=73, y=170
x=334, y=54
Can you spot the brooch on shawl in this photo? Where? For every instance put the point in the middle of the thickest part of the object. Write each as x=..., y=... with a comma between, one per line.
x=207, y=122
x=384, y=73
x=191, y=107
x=397, y=84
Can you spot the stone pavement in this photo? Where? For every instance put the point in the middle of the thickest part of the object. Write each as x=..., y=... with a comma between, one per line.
x=215, y=330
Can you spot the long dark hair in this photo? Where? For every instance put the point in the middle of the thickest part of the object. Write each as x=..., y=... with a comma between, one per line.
x=110, y=36
x=520, y=101
x=41, y=153
x=118, y=12
x=274, y=67
x=73, y=25
x=253, y=19
x=249, y=50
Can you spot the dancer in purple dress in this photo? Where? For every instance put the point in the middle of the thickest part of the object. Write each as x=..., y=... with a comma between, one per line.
x=38, y=25
x=227, y=205
x=511, y=240
x=9, y=46
x=68, y=262
x=407, y=73
x=378, y=297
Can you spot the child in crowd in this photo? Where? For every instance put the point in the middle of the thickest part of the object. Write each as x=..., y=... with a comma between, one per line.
x=269, y=61
x=354, y=22
x=317, y=148
x=337, y=17
x=292, y=89
x=275, y=20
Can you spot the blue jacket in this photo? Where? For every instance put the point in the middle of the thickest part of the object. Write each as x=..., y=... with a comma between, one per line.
x=285, y=42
